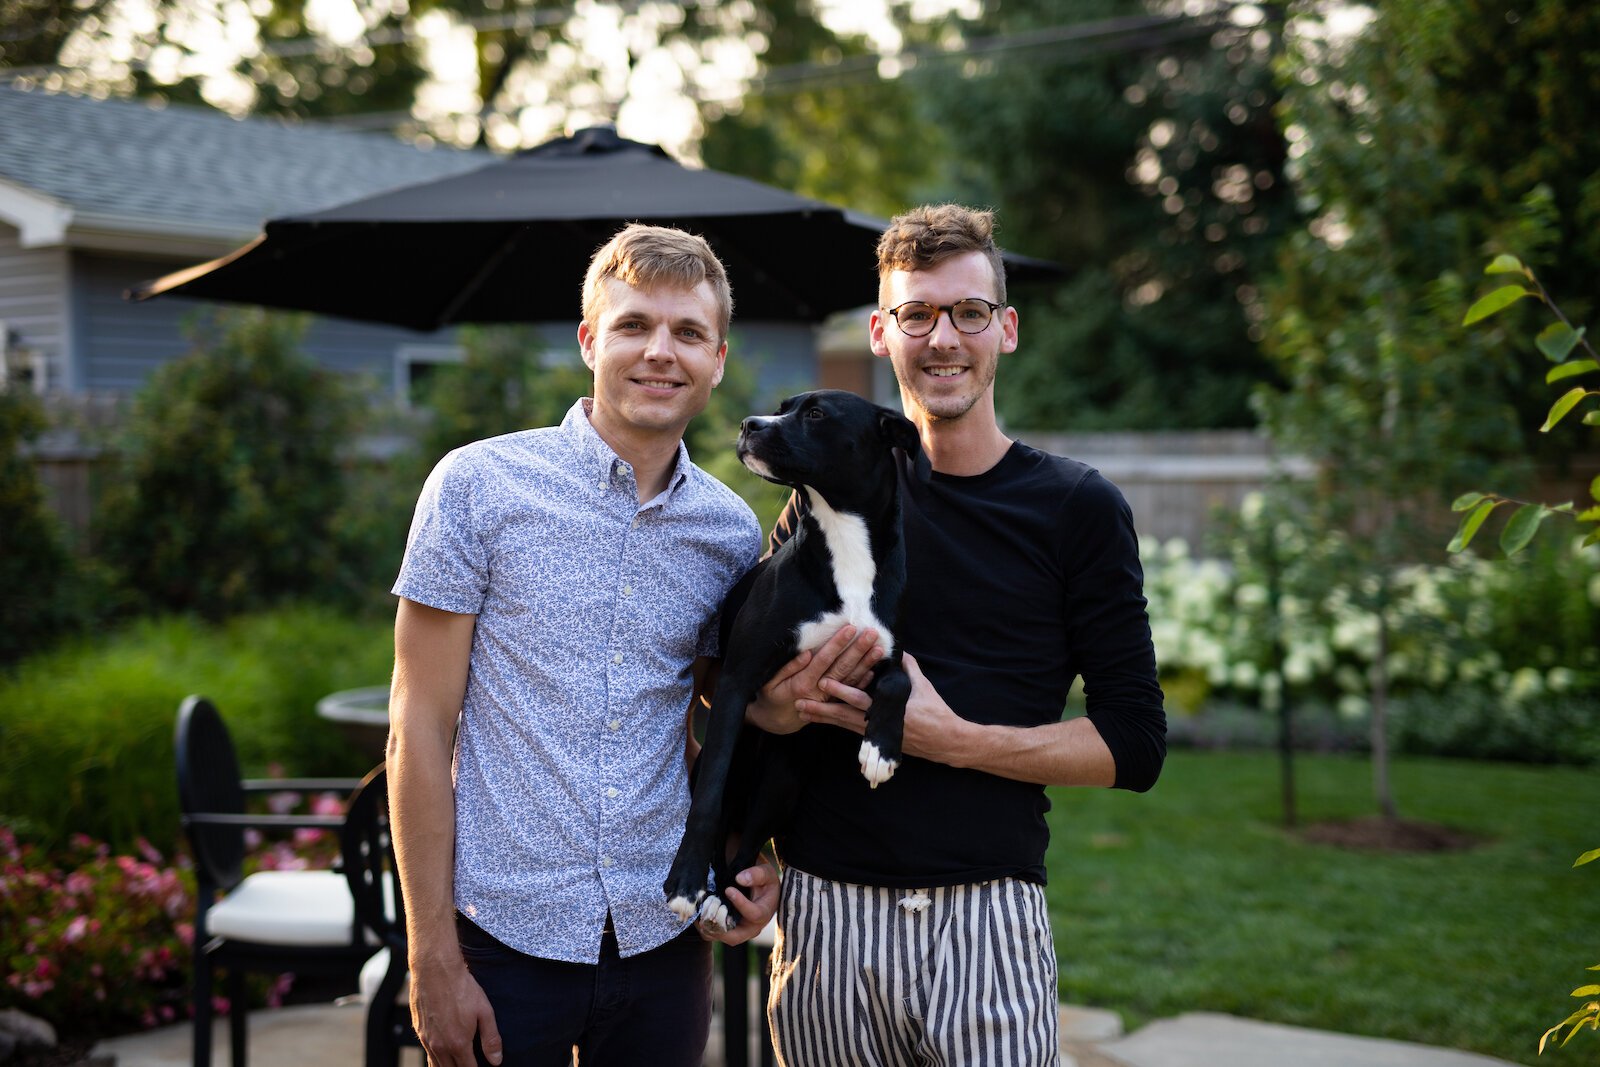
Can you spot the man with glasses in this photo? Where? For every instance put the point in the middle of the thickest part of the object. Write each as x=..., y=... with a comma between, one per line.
x=913, y=920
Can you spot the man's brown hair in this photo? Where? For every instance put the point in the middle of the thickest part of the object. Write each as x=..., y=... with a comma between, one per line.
x=926, y=236
x=649, y=256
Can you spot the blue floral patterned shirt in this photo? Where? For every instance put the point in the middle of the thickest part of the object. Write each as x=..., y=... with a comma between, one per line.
x=570, y=785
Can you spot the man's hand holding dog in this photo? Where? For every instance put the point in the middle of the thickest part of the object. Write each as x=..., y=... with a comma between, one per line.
x=932, y=730
x=1070, y=752
x=846, y=658
x=755, y=898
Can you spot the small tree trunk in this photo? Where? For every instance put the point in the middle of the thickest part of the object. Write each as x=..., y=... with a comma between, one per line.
x=1291, y=817
x=1380, y=722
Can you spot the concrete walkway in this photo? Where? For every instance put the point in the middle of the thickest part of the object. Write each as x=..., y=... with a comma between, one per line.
x=330, y=1036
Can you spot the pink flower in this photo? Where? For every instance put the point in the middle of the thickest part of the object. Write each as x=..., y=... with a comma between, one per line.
x=148, y=851
x=327, y=804
x=283, y=802
x=75, y=930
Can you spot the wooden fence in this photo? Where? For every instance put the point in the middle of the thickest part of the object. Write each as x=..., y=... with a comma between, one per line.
x=1177, y=482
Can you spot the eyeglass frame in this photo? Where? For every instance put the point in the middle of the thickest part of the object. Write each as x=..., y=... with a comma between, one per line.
x=949, y=311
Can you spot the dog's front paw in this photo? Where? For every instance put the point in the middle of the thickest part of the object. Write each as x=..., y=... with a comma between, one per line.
x=716, y=916
x=876, y=768
x=684, y=907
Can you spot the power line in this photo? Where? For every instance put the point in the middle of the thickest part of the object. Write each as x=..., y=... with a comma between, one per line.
x=1100, y=37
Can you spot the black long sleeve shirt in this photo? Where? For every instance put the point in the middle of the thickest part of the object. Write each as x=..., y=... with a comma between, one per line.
x=1018, y=580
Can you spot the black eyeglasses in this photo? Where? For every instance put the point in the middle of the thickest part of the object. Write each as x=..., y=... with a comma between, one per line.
x=971, y=315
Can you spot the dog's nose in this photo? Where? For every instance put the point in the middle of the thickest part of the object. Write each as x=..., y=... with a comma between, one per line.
x=751, y=424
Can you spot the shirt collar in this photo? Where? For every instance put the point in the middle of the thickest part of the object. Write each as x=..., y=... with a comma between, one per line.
x=599, y=461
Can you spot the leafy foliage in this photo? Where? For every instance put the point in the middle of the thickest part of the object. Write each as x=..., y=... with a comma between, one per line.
x=854, y=138
x=91, y=940
x=48, y=593
x=1146, y=160
x=86, y=728
x=102, y=943
x=230, y=474
x=1557, y=342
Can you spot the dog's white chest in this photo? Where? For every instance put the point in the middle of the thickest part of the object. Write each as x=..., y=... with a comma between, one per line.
x=854, y=572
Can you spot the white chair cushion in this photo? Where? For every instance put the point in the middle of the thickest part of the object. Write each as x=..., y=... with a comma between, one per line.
x=372, y=973
x=286, y=908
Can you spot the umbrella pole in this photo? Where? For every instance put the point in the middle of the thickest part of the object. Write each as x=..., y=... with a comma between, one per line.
x=490, y=264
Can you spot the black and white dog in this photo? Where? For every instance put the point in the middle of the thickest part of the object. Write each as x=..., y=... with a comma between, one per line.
x=845, y=564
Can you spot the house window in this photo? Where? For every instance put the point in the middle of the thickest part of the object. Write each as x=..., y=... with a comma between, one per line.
x=22, y=367
x=414, y=364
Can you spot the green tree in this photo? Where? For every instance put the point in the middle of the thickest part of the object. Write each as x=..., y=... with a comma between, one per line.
x=1138, y=148
x=49, y=593
x=827, y=125
x=1573, y=356
x=1383, y=391
x=230, y=472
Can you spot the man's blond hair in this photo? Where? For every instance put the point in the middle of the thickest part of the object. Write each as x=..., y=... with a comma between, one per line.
x=649, y=256
x=926, y=236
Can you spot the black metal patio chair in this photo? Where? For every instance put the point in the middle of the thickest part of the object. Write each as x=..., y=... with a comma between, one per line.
x=368, y=850
x=273, y=921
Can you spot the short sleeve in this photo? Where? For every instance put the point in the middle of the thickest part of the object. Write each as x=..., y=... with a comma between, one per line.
x=445, y=564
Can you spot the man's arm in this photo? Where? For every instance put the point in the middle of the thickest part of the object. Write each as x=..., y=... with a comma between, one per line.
x=1070, y=752
x=432, y=649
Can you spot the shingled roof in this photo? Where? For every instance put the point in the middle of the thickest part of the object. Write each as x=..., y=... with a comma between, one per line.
x=120, y=166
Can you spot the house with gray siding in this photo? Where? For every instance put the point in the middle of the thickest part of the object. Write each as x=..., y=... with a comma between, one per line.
x=97, y=195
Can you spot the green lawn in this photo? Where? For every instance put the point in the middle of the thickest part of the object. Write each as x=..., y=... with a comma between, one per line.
x=1194, y=897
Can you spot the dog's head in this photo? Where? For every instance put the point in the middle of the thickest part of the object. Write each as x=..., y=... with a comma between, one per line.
x=832, y=441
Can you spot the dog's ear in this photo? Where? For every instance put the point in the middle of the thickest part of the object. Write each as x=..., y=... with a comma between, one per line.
x=901, y=434
x=897, y=430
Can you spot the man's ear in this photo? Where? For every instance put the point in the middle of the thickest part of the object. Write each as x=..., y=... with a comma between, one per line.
x=586, y=344
x=875, y=327
x=722, y=365
x=1008, y=329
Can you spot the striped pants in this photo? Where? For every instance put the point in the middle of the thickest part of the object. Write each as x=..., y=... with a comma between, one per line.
x=866, y=976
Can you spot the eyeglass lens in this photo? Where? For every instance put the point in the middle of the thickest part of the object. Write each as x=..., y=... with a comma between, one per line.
x=917, y=319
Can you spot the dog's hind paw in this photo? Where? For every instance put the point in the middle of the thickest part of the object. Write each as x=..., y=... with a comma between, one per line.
x=875, y=767
x=716, y=914
x=683, y=907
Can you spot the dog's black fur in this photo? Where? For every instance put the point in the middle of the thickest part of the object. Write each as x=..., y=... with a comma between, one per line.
x=846, y=563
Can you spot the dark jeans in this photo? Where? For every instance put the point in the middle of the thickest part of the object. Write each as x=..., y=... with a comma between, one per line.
x=653, y=1008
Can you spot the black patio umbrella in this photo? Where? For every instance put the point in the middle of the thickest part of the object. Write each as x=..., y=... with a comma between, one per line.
x=509, y=242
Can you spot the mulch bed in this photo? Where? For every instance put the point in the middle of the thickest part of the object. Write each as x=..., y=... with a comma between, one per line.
x=1377, y=834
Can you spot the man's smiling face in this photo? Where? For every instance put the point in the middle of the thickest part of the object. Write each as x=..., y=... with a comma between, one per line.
x=944, y=374
x=656, y=355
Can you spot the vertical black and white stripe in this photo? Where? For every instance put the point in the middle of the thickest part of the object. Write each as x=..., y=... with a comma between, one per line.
x=868, y=976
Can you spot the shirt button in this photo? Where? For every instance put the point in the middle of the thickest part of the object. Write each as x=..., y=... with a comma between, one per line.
x=635, y=523
x=611, y=794
x=617, y=658
x=627, y=590
x=615, y=724
x=605, y=862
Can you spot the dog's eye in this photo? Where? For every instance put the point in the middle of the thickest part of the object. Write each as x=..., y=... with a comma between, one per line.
x=815, y=413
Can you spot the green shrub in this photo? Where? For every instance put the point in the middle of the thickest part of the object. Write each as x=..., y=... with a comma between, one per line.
x=1488, y=660
x=230, y=472
x=47, y=594
x=86, y=730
